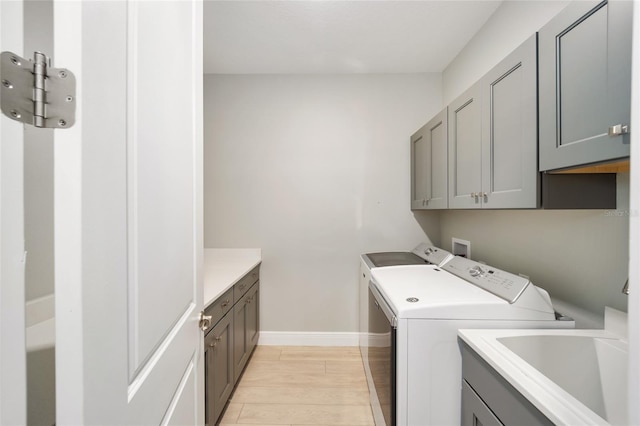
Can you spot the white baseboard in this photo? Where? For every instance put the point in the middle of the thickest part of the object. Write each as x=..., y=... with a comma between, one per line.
x=299, y=338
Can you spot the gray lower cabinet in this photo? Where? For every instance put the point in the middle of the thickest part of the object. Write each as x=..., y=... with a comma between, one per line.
x=488, y=399
x=245, y=329
x=585, y=84
x=429, y=165
x=493, y=137
x=229, y=344
x=218, y=344
x=474, y=411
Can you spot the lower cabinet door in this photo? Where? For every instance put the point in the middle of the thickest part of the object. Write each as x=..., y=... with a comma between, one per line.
x=240, y=348
x=245, y=329
x=218, y=368
x=253, y=318
x=474, y=411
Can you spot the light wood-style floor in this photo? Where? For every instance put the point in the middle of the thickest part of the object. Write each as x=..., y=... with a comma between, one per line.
x=299, y=385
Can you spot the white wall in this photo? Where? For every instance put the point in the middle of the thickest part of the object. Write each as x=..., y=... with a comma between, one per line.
x=315, y=171
x=511, y=24
x=579, y=256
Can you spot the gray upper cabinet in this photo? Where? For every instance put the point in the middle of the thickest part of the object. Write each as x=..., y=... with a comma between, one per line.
x=493, y=142
x=429, y=165
x=585, y=84
x=510, y=176
x=465, y=149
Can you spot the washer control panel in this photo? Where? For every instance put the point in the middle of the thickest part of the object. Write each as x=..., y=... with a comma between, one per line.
x=431, y=254
x=501, y=283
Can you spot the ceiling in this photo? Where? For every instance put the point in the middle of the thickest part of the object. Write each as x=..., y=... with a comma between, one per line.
x=338, y=37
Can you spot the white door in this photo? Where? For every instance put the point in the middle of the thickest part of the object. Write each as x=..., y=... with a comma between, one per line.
x=128, y=214
x=12, y=332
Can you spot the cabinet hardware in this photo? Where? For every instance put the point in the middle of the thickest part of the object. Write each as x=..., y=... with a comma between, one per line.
x=618, y=129
x=473, y=195
x=205, y=321
x=225, y=303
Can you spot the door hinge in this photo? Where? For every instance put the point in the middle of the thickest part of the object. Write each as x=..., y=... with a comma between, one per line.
x=32, y=92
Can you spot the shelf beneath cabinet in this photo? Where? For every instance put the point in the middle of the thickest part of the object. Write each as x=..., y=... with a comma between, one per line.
x=614, y=167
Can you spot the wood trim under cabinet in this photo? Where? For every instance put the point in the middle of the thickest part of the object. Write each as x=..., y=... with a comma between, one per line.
x=615, y=167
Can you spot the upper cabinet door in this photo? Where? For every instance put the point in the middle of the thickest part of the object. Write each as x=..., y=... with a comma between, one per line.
x=465, y=155
x=585, y=83
x=429, y=165
x=509, y=131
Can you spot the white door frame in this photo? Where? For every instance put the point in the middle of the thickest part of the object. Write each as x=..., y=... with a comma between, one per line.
x=634, y=228
x=13, y=397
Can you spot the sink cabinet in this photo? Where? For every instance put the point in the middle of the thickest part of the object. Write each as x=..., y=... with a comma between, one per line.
x=429, y=165
x=488, y=399
x=229, y=344
x=585, y=84
x=493, y=137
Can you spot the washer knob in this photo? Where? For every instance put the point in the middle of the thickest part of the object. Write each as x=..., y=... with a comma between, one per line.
x=476, y=271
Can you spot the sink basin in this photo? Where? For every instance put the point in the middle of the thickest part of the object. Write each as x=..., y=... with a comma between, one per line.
x=591, y=369
x=573, y=377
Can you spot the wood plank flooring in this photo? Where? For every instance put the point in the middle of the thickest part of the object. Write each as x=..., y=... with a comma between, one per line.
x=299, y=385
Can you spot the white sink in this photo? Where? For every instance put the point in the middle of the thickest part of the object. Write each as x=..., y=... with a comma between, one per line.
x=591, y=369
x=571, y=376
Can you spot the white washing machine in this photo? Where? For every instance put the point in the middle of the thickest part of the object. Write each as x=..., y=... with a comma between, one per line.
x=425, y=254
x=414, y=314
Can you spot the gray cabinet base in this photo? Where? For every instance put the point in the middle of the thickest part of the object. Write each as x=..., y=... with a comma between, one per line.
x=491, y=399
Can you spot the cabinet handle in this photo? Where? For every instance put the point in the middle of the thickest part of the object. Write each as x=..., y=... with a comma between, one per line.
x=225, y=303
x=212, y=345
x=473, y=195
x=205, y=321
x=218, y=338
x=618, y=129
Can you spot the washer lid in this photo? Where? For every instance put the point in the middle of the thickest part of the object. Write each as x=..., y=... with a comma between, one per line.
x=432, y=293
x=394, y=258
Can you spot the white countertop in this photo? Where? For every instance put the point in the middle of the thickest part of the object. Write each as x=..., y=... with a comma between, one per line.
x=224, y=267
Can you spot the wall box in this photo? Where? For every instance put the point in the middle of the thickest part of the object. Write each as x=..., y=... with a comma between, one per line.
x=579, y=191
x=461, y=247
